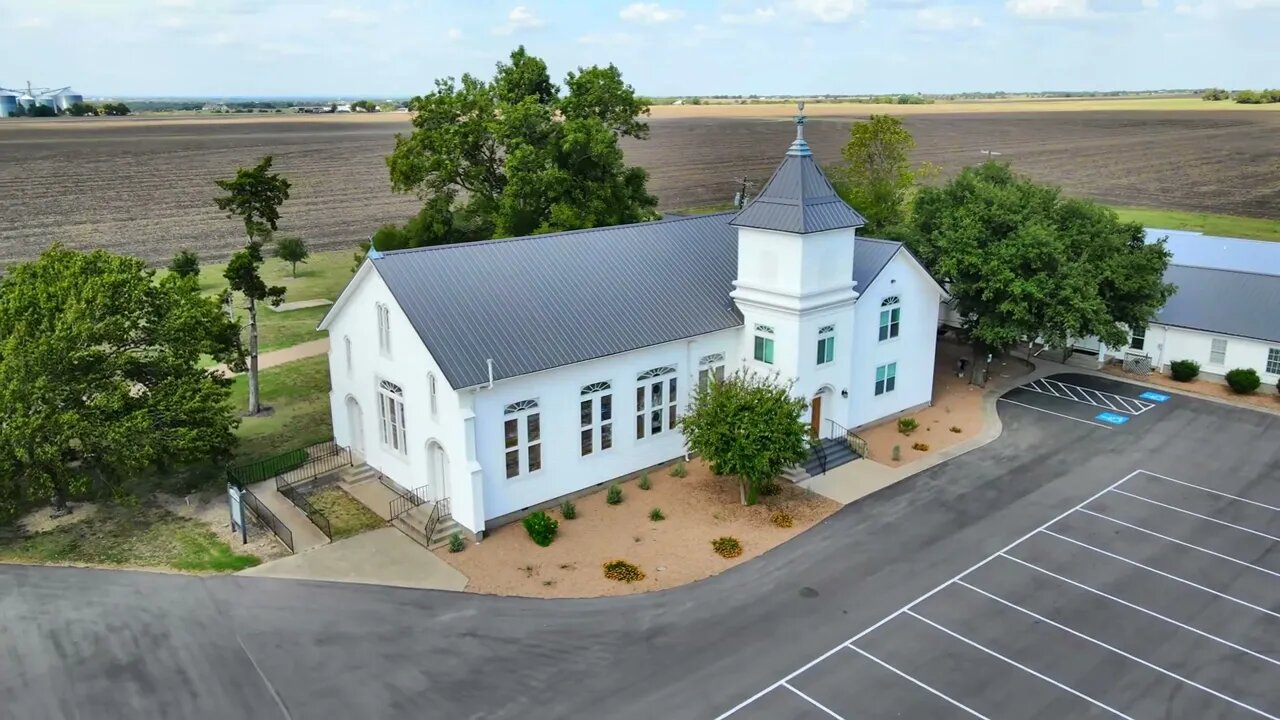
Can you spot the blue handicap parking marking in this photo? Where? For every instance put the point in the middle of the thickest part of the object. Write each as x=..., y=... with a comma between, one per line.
x=1113, y=418
x=1154, y=396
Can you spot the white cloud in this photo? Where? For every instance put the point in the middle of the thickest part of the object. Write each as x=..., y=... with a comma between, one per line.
x=649, y=13
x=454, y=34
x=830, y=11
x=352, y=16
x=613, y=39
x=520, y=18
x=946, y=18
x=1049, y=9
x=31, y=23
x=759, y=16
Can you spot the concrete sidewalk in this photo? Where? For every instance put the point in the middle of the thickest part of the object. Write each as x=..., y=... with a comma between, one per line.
x=284, y=355
x=305, y=534
x=379, y=557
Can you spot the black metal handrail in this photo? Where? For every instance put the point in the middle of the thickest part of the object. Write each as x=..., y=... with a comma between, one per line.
x=268, y=518
x=439, y=511
x=820, y=452
x=404, y=501
x=300, y=501
x=855, y=443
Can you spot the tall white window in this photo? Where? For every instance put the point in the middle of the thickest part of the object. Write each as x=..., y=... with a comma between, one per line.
x=1218, y=352
x=384, y=329
x=890, y=316
x=522, y=438
x=886, y=378
x=763, y=350
x=431, y=389
x=391, y=411
x=1273, y=361
x=346, y=345
x=1138, y=338
x=595, y=416
x=826, y=344
x=710, y=367
x=655, y=401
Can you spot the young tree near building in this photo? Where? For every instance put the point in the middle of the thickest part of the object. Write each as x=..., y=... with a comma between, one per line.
x=101, y=374
x=747, y=427
x=1022, y=262
x=254, y=195
x=185, y=264
x=292, y=250
x=877, y=179
x=526, y=159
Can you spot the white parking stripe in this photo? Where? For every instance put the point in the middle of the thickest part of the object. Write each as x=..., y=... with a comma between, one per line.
x=813, y=702
x=1018, y=665
x=1033, y=407
x=1181, y=542
x=887, y=666
x=1211, y=490
x=1136, y=564
x=1272, y=538
x=1152, y=613
x=1118, y=651
x=1089, y=396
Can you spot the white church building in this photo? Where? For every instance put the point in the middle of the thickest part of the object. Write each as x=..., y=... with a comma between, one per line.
x=506, y=374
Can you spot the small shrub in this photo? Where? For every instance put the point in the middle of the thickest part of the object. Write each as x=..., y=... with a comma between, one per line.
x=922, y=447
x=656, y=515
x=1244, y=380
x=568, y=510
x=782, y=519
x=614, y=496
x=541, y=527
x=907, y=425
x=623, y=571
x=727, y=547
x=679, y=470
x=185, y=264
x=1184, y=370
x=644, y=483
x=455, y=543
x=956, y=429
x=770, y=489
x=897, y=453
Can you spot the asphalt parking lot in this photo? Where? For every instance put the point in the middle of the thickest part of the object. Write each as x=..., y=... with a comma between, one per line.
x=1093, y=400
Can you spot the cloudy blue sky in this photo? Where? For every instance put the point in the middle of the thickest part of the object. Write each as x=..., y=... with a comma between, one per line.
x=396, y=47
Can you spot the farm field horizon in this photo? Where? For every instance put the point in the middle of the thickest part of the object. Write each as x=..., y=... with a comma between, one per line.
x=144, y=186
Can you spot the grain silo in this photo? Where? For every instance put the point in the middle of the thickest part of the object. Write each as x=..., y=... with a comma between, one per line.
x=65, y=98
x=47, y=100
x=26, y=101
x=8, y=103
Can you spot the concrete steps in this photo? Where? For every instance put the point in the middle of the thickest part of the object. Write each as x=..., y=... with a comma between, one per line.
x=414, y=523
x=837, y=453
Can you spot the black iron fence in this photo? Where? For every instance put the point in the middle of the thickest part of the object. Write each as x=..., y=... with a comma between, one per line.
x=296, y=496
x=404, y=501
x=293, y=467
x=268, y=518
x=439, y=511
x=856, y=444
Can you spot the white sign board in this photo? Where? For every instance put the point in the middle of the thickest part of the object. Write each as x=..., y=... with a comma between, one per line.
x=237, y=512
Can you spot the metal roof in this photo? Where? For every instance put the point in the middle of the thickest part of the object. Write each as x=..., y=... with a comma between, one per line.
x=1224, y=253
x=543, y=301
x=1229, y=302
x=798, y=199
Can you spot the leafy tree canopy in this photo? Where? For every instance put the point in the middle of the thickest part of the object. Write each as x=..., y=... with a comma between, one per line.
x=255, y=195
x=515, y=157
x=877, y=179
x=186, y=263
x=1023, y=262
x=101, y=377
x=292, y=250
x=747, y=426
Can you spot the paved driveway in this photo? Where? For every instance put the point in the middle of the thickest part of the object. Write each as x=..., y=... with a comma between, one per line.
x=81, y=643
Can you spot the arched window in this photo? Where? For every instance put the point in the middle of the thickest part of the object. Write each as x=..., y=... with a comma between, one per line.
x=655, y=401
x=384, y=329
x=890, y=315
x=391, y=412
x=346, y=344
x=431, y=388
x=522, y=438
x=595, y=415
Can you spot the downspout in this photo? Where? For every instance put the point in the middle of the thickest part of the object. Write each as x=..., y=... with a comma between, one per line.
x=489, y=362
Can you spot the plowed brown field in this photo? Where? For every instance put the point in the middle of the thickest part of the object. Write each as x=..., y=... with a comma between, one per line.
x=145, y=186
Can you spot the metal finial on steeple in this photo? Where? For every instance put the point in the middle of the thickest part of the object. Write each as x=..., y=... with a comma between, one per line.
x=374, y=253
x=799, y=147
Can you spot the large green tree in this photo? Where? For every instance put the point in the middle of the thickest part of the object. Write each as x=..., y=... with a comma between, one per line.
x=101, y=374
x=254, y=196
x=877, y=179
x=1022, y=262
x=514, y=157
x=748, y=427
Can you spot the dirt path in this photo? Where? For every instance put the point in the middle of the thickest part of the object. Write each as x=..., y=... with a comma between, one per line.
x=284, y=355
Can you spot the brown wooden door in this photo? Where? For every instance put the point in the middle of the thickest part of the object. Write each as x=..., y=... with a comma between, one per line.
x=815, y=417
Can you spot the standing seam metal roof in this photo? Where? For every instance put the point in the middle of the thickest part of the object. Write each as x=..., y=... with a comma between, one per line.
x=798, y=199
x=1229, y=302
x=543, y=301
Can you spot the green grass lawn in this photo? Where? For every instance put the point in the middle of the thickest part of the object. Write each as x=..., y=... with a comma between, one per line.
x=347, y=516
x=1208, y=223
x=298, y=393
x=141, y=536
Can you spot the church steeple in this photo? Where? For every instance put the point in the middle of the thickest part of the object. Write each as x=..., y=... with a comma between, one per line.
x=798, y=198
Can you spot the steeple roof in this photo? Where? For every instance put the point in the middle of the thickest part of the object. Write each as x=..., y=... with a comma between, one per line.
x=798, y=198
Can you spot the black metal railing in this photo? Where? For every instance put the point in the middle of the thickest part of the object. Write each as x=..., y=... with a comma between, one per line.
x=439, y=511
x=301, y=502
x=266, y=517
x=855, y=443
x=293, y=467
x=820, y=452
x=404, y=501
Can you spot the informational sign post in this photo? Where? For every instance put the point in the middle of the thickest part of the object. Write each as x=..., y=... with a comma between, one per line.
x=237, y=513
